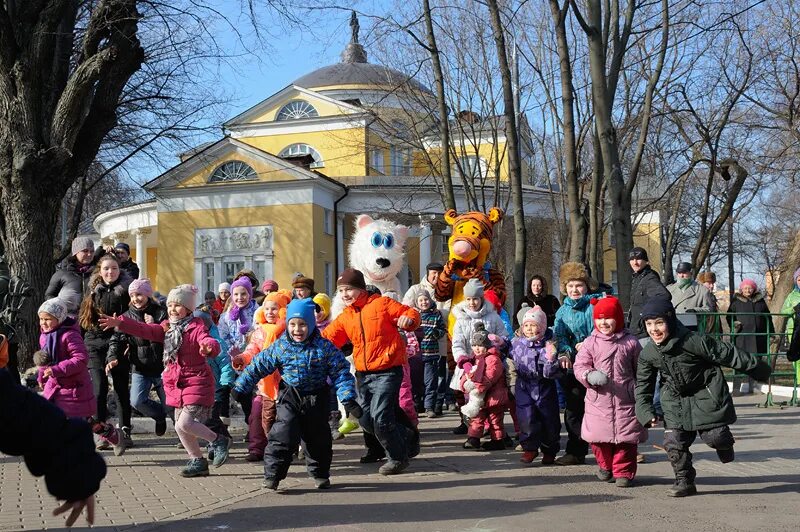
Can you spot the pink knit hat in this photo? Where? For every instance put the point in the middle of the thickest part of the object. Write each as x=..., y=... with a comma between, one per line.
x=141, y=286
x=748, y=282
x=536, y=315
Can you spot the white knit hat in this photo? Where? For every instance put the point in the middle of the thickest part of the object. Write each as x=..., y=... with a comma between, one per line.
x=224, y=286
x=55, y=307
x=185, y=294
x=537, y=316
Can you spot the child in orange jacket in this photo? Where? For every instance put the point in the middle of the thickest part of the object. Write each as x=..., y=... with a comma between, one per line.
x=270, y=323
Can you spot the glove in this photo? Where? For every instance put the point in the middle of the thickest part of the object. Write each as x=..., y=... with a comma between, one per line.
x=353, y=409
x=597, y=378
x=761, y=372
x=235, y=394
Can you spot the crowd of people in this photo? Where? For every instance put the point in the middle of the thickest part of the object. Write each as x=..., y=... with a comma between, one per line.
x=304, y=378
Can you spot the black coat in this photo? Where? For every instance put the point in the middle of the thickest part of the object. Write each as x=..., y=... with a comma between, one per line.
x=645, y=284
x=145, y=357
x=751, y=323
x=108, y=299
x=69, y=284
x=59, y=448
x=131, y=268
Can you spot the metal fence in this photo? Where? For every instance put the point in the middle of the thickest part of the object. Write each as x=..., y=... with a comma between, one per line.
x=721, y=325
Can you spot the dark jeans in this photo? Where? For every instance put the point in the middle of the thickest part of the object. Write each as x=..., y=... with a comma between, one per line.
x=436, y=383
x=374, y=447
x=574, y=394
x=140, y=396
x=299, y=417
x=379, y=397
x=677, y=443
x=119, y=376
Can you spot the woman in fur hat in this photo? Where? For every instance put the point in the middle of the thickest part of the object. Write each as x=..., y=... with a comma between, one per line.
x=573, y=324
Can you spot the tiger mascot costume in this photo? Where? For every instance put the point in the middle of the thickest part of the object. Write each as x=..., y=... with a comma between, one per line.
x=469, y=246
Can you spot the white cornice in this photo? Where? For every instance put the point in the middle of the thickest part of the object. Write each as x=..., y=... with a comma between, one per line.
x=305, y=125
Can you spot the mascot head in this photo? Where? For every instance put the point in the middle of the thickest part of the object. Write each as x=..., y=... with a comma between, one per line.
x=377, y=248
x=471, y=239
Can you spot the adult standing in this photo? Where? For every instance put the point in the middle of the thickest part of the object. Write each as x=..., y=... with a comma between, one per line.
x=748, y=316
x=645, y=284
x=71, y=282
x=789, y=304
x=689, y=295
x=123, y=253
x=538, y=295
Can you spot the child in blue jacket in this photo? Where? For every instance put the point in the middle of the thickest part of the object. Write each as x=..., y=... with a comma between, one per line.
x=306, y=360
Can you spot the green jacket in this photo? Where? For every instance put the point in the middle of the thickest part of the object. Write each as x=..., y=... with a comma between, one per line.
x=694, y=393
x=792, y=300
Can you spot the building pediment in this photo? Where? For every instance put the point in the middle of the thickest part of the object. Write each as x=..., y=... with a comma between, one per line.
x=293, y=104
x=228, y=162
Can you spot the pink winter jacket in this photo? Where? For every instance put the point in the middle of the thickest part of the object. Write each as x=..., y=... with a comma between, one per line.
x=70, y=387
x=610, y=415
x=189, y=381
x=489, y=379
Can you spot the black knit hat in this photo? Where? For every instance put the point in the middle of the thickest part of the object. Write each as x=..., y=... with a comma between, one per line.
x=435, y=266
x=638, y=253
x=684, y=267
x=659, y=307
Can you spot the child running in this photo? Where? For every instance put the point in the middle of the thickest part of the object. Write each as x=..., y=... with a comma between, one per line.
x=64, y=374
x=606, y=366
x=694, y=392
x=306, y=360
x=188, y=381
x=534, y=355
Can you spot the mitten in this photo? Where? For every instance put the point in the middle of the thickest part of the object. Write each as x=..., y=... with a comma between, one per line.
x=761, y=372
x=498, y=342
x=550, y=351
x=353, y=409
x=597, y=378
x=468, y=386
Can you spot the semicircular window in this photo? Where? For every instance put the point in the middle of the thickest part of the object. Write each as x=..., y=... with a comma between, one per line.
x=299, y=151
x=296, y=109
x=233, y=171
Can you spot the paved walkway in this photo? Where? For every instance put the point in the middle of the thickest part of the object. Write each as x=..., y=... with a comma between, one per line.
x=446, y=488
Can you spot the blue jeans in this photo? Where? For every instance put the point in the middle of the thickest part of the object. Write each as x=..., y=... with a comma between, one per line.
x=435, y=381
x=379, y=397
x=140, y=396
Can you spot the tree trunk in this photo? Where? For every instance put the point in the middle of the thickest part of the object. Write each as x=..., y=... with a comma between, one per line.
x=513, y=153
x=447, y=178
x=577, y=222
x=785, y=282
x=596, y=218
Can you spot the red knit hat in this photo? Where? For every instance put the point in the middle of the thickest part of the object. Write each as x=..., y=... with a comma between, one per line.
x=608, y=307
x=492, y=297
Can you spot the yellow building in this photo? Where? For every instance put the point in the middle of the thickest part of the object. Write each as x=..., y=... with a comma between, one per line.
x=278, y=192
x=646, y=234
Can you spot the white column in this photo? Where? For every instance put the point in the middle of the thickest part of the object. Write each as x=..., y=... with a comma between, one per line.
x=425, y=239
x=339, y=243
x=141, y=252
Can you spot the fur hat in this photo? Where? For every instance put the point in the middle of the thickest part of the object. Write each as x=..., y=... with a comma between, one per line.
x=324, y=303
x=303, y=282
x=269, y=285
x=575, y=271
x=748, y=282
x=303, y=309
x=537, y=316
x=250, y=274
x=473, y=288
x=224, y=286
x=80, y=243
x=55, y=307
x=706, y=277
x=608, y=307
x=141, y=286
x=185, y=294
x=41, y=358
x=352, y=277
x=480, y=336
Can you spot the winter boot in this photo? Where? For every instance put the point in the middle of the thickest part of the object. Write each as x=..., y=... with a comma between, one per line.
x=220, y=447
x=161, y=426
x=528, y=457
x=623, y=482
x=271, y=484
x=126, y=433
x=548, y=459
x=725, y=455
x=604, y=475
x=571, y=459
x=197, y=467
x=393, y=467
x=493, y=445
x=322, y=483
x=347, y=426
x=473, y=444
x=682, y=488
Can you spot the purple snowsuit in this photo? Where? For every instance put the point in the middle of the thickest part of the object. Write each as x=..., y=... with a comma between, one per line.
x=536, y=396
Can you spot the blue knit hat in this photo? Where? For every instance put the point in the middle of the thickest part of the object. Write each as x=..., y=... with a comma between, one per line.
x=303, y=309
x=659, y=307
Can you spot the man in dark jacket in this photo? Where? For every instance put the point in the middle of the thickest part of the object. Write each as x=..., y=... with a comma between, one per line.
x=694, y=393
x=123, y=253
x=59, y=448
x=645, y=284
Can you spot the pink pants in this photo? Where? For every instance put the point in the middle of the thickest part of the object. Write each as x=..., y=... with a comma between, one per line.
x=494, y=417
x=619, y=458
x=407, y=397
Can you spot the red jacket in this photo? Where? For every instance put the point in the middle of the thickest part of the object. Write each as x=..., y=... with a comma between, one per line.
x=370, y=324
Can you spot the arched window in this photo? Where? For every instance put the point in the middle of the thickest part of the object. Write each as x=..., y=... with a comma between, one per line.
x=299, y=150
x=296, y=109
x=233, y=171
